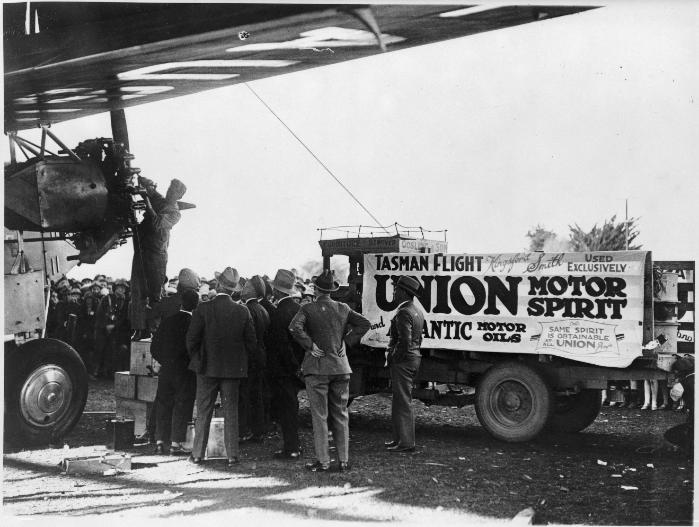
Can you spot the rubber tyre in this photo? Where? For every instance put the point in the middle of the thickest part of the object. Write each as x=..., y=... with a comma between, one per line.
x=513, y=402
x=45, y=391
x=574, y=413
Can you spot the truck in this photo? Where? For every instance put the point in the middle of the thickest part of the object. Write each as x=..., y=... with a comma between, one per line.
x=529, y=338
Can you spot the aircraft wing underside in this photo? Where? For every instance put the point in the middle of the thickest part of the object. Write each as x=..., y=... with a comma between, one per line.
x=90, y=58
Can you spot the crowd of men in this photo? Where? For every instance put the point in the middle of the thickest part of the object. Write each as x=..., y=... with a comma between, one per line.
x=257, y=343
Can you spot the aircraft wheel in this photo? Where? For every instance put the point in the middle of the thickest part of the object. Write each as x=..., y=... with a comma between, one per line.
x=45, y=391
x=513, y=402
x=574, y=413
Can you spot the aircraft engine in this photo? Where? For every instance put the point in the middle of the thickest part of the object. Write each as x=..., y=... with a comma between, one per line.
x=92, y=196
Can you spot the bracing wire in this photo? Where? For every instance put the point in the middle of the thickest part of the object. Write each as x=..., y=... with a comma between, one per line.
x=316, y=157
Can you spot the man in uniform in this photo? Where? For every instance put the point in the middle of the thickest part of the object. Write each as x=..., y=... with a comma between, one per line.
x=151, y=240
x=325, y=329
x=284, y=359
x=404, y=362
x=220, y=336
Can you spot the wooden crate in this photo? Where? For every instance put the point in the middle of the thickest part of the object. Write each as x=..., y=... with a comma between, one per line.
x=139, y=411
x=125, y=385
x=146, y=388
x=142, y=363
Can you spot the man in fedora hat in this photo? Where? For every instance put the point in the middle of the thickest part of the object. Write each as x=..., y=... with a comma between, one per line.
x=151, y=240
x=220, y=337
x=252, y=413
x=404, y=361
x=325, y=329
x=284, y=357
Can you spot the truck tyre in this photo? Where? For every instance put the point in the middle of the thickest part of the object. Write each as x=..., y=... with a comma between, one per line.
x=45, y=391
x=573, y=413
x=513, y=402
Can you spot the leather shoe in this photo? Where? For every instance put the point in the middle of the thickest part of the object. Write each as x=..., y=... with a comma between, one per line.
x=233, y=461
x=159, y=449
x=401, y=448
x=344, y=466
x=283, y=454
x=194, y=460
x=317, y=467
x=178, y=451
x=389, y=444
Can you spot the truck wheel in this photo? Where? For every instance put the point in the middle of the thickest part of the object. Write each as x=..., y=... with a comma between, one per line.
x=45, y=391
x=573, y=413
x=513, y=402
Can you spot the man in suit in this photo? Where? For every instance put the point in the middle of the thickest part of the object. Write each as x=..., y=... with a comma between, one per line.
x=284, y=359
x=176, y=383
x=325, y=329
x=252, y=422
x=404, y=362
x=218, y=341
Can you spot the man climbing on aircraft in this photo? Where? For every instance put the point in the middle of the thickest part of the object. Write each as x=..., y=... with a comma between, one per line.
x=151, y=240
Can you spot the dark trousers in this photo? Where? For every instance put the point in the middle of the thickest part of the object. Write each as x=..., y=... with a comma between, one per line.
x=402, y=417
x=207, y=390
x=174, y=402
x=252, y=412
x=287, y=411
x=104, y=353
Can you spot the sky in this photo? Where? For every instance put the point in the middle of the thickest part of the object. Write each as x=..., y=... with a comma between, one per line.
x=554, y=123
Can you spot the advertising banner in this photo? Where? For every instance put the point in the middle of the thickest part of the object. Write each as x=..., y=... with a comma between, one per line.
x=582, y=306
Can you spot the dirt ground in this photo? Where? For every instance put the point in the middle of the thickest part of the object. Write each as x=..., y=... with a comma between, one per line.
x=617, y=472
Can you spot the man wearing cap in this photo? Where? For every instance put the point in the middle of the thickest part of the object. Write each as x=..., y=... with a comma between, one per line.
x=176, y=382
x=252, y=423
x=67, y=313
x=111, y=331
x=325, y=329
x=187, y=280
x=404, y=361
x=284, y=357
x=220, y=337
x=151, y=240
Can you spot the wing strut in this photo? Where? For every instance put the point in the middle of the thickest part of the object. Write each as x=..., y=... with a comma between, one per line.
x=120, y=132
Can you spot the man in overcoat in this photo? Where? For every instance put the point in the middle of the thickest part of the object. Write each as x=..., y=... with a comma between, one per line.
x=284, y=357
x=176, y=382
x=220, y=334
x=404, y=362
x=151, y=241
x=252, y=411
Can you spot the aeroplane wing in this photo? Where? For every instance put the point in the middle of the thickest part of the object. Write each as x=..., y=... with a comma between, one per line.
x=67, y=60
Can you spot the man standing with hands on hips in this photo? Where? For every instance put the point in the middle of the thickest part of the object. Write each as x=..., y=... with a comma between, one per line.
x=404, y=362
x=325, y=329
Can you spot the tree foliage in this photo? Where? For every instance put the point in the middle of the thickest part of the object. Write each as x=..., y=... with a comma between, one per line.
x=611, y=236
x=538, y=237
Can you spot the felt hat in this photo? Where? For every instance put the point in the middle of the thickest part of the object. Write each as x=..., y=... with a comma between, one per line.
x=229, y=279
x=248, y=292
x=409, y=284
x=188, y=279
x=326, y=282
x=284, y=281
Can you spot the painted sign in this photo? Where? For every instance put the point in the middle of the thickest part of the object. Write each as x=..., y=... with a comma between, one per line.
x=581, y=306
